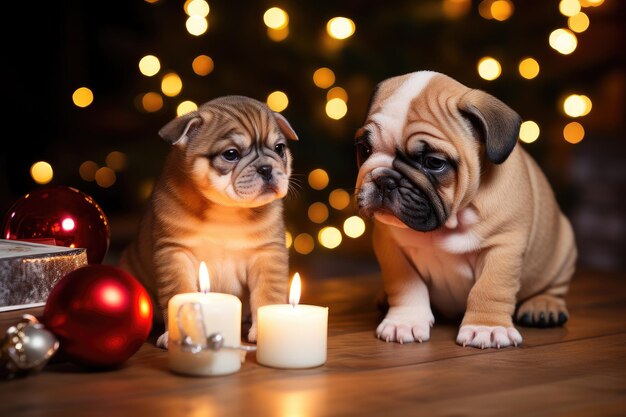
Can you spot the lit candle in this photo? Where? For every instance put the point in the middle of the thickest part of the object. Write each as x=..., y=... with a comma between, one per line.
x=199, y=315
x=292, y=335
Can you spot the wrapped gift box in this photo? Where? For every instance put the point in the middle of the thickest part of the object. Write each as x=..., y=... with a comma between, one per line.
x=28, y=271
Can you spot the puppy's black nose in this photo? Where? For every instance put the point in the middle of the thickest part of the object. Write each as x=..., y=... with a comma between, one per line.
x=265, y=171
x=386, y=184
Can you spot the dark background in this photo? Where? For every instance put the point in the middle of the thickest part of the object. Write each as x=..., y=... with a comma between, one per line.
x=60, y=46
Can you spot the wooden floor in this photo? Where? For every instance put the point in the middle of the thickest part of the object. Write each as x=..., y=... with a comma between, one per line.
x=578, y=370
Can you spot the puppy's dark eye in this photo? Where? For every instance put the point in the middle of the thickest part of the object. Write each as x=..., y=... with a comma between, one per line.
x=363, y=151
x=280, y=149
x=231, y=155
x=433, y=163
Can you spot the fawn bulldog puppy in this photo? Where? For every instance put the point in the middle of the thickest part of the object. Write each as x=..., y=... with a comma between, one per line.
x=218, y=200
x=463, y=218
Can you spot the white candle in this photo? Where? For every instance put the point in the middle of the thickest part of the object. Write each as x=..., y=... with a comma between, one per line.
x=292, y=335
x=220, y=313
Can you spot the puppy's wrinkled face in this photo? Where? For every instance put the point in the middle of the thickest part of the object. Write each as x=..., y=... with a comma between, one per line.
x=236, y=152
x=417, y=154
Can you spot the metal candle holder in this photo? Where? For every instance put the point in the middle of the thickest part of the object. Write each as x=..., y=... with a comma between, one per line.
x=213, y=342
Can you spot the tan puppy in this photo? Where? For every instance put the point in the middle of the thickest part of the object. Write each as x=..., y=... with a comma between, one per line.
x=218, y=200
x=463, y=218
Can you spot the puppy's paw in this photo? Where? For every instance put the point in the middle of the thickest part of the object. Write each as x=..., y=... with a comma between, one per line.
x=484, y=337
x=252, y=333
x=543, y=310
x=162, y=341
x=406, y=325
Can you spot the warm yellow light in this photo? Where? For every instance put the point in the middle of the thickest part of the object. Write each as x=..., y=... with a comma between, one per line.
x=318, y=179
x=501, y=9
x=569, y=7
x=87, y=170
x=186, y=107
x=105, y=177
x=278, y=35
x=204, y=280
x=152, y=102
x=318, y=212
x=149, y=65
x=324, y=77
x=337, y=92
x=528, y=68
x=151, y=1
x=82, y=97
x=116, y=160
x=304, y=243
x=196, y=25
x=453, y=9
x=171, y=85
x=41, y=172
x=295, y=289
x=339, y=199
x=197, y=8
x=340, y=27
x=202, y=65
x=277, y=101
x=591, y=3
x=329, y=237
x=573, y=132
x=563, y=41
x=576, y=105
x=484, y=9
x=288, y=239
x=489, y=68
x=354, y=227
x=578, y=23
x=336, y=108
x=275, y=18
x=529, y=131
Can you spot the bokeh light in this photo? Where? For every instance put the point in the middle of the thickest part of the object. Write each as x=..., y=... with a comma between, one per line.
x=336, y=108
x=149, y=65
x=203, y=65
x=304, y=243
x=105, y=177
x=288, y=239
x=501, y=10
x=528, y=68
x=578, y=23
x=318, y=179
x=569, y=7
x=573, y=132
x=275, y=18
x=563, y=41
x=329, y=237
x=489, y=68
x=484, y=9
x=277, y=101
x=454, y=9
x=339, y=199
x=152, y=102
x=337, y=92
x=354, y=227
x=41, y=172
x=185, y=107
x=87, y=170
x=318, y=212
x=591, y=3
x=323, y=77
x=197, y=8
x=278, y=35
x=340, y=27
x=171, y=85
x=116, y=160
x=529, y=131
x=196, y=25
x=576, y=105
x=82, y=97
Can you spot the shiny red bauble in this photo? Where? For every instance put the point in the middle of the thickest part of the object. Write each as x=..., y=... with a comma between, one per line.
x=100, y=313
x=59, y=215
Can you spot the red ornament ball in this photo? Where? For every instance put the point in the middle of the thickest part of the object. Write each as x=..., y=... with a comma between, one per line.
x=100, y=313
x=61, y=216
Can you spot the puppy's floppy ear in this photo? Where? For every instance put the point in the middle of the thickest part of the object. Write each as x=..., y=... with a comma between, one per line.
x=496, y=123
x=285, y=127
x=179, y=130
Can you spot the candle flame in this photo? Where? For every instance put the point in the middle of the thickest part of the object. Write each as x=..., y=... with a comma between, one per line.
x=205, y=282
x=294, y=291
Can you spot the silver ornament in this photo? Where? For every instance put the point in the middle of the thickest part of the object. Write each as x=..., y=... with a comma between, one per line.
x=26, y=347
